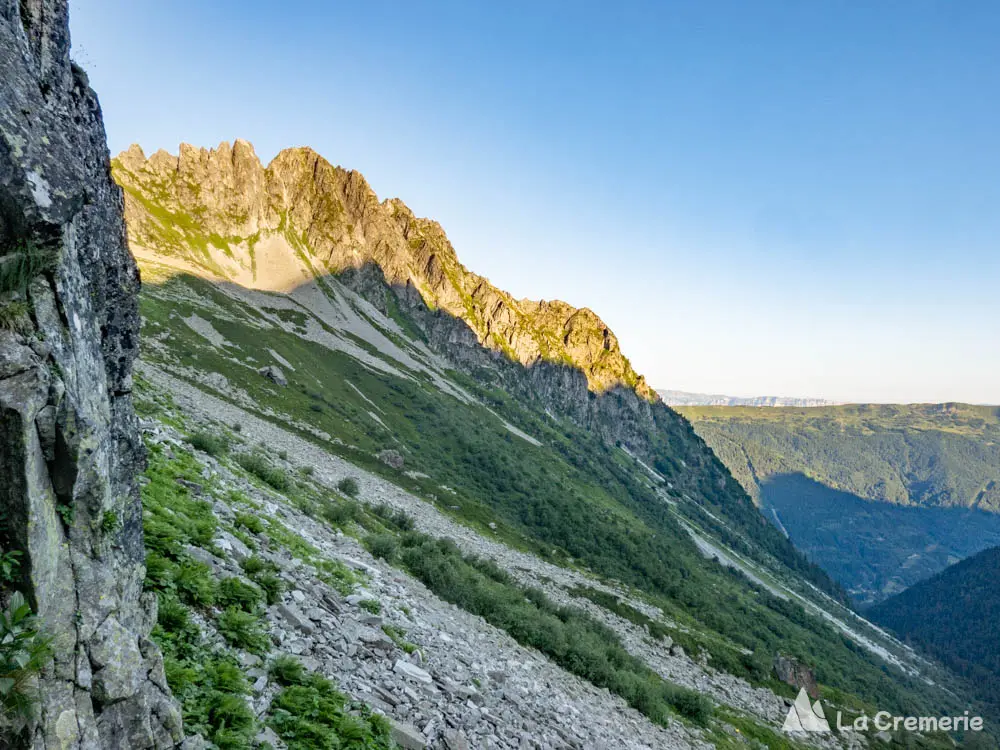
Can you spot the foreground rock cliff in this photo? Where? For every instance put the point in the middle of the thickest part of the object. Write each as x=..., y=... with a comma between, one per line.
x=70, y=450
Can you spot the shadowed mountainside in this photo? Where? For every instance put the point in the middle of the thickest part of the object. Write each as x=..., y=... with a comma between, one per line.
x=954, y=616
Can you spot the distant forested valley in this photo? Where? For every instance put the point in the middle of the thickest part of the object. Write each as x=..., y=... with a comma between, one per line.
x=881, y=496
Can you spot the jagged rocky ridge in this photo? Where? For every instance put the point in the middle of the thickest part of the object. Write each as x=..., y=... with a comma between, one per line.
x=223, y=211
x=232, y=199
x=70, y=450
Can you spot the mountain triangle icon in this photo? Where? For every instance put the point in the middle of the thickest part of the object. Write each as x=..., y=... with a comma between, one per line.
x=803, y=717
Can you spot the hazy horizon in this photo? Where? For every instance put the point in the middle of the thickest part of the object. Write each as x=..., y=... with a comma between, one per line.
x=765, y=200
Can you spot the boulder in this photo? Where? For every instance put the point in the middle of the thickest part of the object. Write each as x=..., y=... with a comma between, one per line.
x=412, y=671
x=274, y=374
x=407, y=737
x=391, y=457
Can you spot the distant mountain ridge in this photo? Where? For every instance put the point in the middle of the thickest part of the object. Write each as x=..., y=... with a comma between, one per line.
x=689, y=398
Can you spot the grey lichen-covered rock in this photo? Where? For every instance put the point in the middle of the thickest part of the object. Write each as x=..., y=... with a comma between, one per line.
x=274, y=374
x=392, y=458
x=70, y=450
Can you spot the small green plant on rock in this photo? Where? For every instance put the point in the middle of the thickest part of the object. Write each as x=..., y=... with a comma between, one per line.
x=249, y=522
x=287, y=670
x=23, y=653
x=109, y=522
x=370, y=605
x=195, y=583
x=398, y=636
x=14, y=316
x=265, y=574
x=22, y=263
x=235, y=592
x=310, y=713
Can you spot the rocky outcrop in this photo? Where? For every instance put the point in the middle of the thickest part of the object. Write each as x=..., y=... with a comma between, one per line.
x=70, y=450
x=795, y=673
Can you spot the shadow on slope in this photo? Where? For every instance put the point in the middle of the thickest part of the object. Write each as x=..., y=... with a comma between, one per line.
x=954, y=616
x=874, y=549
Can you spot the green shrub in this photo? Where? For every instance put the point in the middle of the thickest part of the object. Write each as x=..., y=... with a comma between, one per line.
x=171, y=615
x=265, y=574
x=23, y=653
x=250, y=522
x=235, y=592
x=260, y=467
x=349, y=486
x=210, y=443
x=689, y=703
x=177, y=635
x=226, y=675
x=271, y=585
x=288, y=670
x=173, y=519
x=341, y=513
x=370, y=605
x=243, y=630
x=232, y=720
x=569, y=636
x=397, y=519
x=385, y=546
x=159, y=571
x=312, y=715
x=195, y=583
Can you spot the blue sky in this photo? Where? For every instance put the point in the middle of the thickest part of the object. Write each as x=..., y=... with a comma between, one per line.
x=782, y=198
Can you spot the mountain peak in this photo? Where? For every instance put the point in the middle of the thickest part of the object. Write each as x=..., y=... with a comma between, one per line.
x=212, y=206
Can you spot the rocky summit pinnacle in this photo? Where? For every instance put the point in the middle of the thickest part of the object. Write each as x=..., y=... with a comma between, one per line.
x=70, y=451
x=228, y=216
